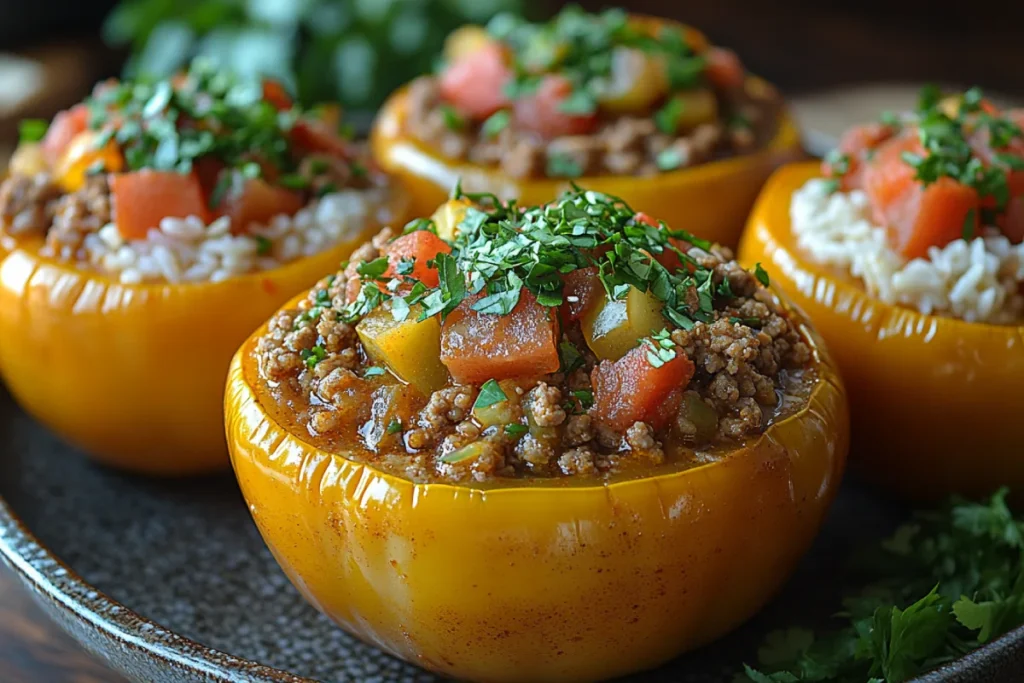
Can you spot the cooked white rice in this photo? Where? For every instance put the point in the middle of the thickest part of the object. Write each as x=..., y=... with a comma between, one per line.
x=977, y=280
x=188, y=250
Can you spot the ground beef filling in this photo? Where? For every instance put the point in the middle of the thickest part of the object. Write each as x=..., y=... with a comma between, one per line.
x=37, y=206
x=623, y=145
x=746, y=377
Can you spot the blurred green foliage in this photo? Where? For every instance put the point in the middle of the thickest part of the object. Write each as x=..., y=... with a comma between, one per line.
x=352, y=51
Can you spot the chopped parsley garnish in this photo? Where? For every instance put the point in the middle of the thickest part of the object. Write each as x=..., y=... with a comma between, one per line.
x=585, y=397
x=667, y=118
x=501, y=250
x=579, y=45
x=762, y=275
x=516, y=429
x=313, y=356
x=561, y=165
x=970, y=221
x=660, y=348
x=490, y=393
x=943, y=584
x=394, y=427
x=944, y=130
x=497, y=122
x=373, y=371
x=570, y=357
x=669, y=159
x=263, y=245
x=32, y=130
x=453, y=120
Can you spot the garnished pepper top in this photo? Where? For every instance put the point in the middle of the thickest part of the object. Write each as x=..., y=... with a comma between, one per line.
x=556, y=78
x=500, y=255
x=229, y=142
x=939, y=173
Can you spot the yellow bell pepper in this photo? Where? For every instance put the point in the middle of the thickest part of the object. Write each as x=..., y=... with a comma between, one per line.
x=134, y=374
x=932, y=399
x=711, y=199
x=538, y=580
x=409, y=348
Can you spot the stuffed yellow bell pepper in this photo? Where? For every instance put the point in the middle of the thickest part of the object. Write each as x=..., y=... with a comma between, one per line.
x=638, y=107
x=144, y=234
x=905, y=252
x=567, y=468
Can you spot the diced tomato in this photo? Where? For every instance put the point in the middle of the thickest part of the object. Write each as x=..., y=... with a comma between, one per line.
x=317, y=136
x=275, y=93
x=257, y=201
x=724, y=69
x=475, y=84
x=580, y=289
x=64, y=128
x=477, y=347
x=917, y=217
x=541, y=111
x=630, y=389
x=143, y=198
x=422, y=246
x=856, y=143
x=646, y=219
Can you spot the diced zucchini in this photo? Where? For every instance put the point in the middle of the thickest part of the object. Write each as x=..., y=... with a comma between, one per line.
x=468, y=452
x=637, y=80
x=612, y=328
x=696, y=107
x=698, y=421
x=448, y=216
x=409, y=348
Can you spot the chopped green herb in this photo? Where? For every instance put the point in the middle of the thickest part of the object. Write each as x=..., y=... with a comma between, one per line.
x=490, y=393
x=497, y=122
x=313, y=356
x=453, y=120
x=561, y=165
x=943, y=584
x=570, y=357
x=516, y=429
x=263, y=245
x=405, y=266
x=970, y=221
x=32, y=130
x=667, y=118
x=373, y=371
x=394, y=427
x=293, y=181
x=669, y=159
x=326, y=189
x=660, y=348
x=580, y=102
x=585, y=397
x=762, y=275
x=373, y=270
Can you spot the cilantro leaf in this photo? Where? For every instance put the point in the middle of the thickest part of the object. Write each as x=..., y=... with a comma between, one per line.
x=490, y=393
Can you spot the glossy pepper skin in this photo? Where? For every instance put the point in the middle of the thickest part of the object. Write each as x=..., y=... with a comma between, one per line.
x=935, y=402
x=134, y=374
x=545, y=580
x=711, y=199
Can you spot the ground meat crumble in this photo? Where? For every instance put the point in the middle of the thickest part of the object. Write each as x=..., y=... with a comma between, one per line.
x=742, y=375
x=622, y=145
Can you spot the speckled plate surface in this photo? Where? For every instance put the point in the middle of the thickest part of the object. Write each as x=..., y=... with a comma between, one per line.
x=170, y=582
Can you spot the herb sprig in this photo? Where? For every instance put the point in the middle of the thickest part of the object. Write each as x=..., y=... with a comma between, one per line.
x=942, y=585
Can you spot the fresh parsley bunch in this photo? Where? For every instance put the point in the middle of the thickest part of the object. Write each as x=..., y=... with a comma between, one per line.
x=942, y=585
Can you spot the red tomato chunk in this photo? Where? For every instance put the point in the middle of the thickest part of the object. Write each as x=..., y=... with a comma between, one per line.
x=632, y=390
x=477, y=347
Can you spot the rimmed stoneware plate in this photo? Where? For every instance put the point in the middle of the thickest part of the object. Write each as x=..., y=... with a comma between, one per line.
x=170, y=582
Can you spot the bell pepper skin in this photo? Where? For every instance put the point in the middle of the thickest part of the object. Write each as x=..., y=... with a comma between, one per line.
x=134, y=374
x=932, y=398
x=559, y=580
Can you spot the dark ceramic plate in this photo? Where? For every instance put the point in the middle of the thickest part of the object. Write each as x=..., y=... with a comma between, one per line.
x=170, y=582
